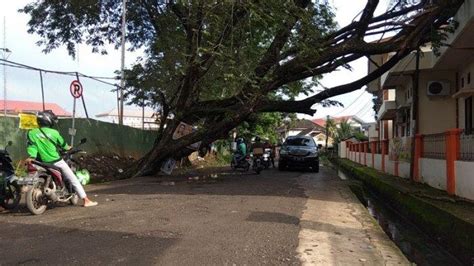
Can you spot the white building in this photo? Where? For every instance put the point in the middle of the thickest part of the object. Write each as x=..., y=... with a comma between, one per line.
x=136, y=117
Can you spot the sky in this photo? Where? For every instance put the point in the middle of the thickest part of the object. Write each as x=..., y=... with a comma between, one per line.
x=99, y=98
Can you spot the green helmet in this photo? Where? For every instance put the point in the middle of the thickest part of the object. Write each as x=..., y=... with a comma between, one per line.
x=83, y=176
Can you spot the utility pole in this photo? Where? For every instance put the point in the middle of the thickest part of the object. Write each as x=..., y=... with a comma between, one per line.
x=122, y=81
x=5, y=54
x=327, y=131
x=414, y=104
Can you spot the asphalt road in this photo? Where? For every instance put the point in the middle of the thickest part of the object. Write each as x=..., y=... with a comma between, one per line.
x=232, y=219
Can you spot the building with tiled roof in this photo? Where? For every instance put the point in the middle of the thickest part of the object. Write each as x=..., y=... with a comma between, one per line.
x=15, y=107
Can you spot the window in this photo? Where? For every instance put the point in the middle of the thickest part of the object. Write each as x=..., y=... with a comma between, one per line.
x=462, y=82
x=469, y=78
x=468, y=116
x=299, y=142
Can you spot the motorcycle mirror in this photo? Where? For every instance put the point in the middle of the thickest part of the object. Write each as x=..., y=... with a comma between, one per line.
x=9, y=143
x=84, y=140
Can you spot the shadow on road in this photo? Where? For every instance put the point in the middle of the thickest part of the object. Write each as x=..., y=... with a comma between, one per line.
x=57, y=245
x=273, y=217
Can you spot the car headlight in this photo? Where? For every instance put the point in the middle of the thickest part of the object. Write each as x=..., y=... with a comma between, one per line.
x=313, y=154
x=283, y=152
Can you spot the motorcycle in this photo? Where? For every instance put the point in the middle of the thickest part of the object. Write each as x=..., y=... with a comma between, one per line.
x=267, y=158
x=257, y=155
x=10, y=190
x=48, y=185
x=239, y=162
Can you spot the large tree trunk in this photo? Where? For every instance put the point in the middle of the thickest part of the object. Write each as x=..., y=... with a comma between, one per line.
x=167, y=148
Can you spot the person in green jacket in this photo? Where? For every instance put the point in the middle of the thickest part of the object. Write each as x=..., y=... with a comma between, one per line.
x=43, y=144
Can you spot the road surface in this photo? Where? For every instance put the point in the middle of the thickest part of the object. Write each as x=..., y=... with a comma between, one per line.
x=277, y=218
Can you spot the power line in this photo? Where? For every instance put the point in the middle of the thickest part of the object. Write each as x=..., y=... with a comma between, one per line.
x=367, y=105
x=352, y=103
x=365, y=112
x=66, y=73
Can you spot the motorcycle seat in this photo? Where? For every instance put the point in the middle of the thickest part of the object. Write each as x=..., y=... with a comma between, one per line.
x=47, y=166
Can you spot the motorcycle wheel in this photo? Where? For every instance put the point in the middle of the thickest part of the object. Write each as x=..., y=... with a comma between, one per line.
x=12, y=196
x=258, y=168
x=74, y=200
x=36, y=201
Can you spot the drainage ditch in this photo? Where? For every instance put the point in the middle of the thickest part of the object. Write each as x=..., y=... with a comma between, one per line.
x=417, y=246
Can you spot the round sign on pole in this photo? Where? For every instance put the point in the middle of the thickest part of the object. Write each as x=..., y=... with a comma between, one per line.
x=76, y=89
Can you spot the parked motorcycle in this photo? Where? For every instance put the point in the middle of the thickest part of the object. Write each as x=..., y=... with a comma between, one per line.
x=10, y=190
x=257, y=159
x=48, y=185
x=239, y=162
x=267, y=158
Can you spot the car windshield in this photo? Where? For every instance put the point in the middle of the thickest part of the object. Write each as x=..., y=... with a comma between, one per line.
x=299, y=142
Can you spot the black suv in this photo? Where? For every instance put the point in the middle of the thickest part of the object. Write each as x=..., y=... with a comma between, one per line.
x=299, y=151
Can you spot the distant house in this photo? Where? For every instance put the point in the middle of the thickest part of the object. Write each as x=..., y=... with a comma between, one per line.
x=16, y=107
x=133, y=117
x=371, y=131
x=355, y=122
x=305, y=127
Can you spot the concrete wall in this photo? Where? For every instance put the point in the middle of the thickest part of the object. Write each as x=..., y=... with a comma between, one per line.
x=369, y=160
x=342, y=149
x=404, y=169
x=465, y=179
x=433, y=172
x=441, y=108
x=378, y=162
x=101, y=137
x=389, y=165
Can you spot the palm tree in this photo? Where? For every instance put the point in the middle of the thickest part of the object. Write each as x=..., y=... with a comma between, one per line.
x=331, y=128
x=344, y=130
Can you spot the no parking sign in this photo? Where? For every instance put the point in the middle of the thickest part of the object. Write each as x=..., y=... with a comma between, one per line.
x=76, y=89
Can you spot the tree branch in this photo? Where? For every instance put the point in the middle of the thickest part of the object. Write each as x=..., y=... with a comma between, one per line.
x=304, y=106
x=365, y=18
x=271, y=56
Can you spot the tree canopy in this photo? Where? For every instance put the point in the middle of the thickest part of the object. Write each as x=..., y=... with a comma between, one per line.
x=214, y=64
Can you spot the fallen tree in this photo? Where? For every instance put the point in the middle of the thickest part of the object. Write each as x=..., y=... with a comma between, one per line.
x=215, y=64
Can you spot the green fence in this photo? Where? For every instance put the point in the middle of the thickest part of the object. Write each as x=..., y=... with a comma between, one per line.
x=101, y=137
